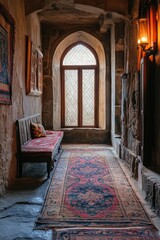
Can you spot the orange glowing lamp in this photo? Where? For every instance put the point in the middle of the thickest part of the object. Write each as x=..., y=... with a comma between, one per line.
x=142, y=33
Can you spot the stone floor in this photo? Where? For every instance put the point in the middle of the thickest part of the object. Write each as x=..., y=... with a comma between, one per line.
x=22, y=204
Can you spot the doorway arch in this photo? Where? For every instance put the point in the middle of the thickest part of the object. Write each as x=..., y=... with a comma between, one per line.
x=79, y=36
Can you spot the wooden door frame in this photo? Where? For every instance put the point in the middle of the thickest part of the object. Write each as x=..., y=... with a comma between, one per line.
x=96, y=99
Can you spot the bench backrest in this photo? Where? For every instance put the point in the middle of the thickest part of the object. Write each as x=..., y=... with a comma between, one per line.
x=24, y=130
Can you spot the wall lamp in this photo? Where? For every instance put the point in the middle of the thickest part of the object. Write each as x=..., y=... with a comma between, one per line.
x=142, y=33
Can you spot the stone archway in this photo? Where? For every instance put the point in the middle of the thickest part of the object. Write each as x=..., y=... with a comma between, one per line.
x=56, y=76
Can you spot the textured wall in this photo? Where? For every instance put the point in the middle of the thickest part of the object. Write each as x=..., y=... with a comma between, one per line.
x=52, y=87
x=130, y=112
x=148, y=180
x=119, y=69
x=22, y=105
x=131, y=129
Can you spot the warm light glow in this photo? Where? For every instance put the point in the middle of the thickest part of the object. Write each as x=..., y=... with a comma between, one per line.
x=143, y=40
x=142, y=33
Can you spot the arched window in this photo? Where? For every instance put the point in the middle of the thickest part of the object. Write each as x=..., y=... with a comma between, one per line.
x=79, y=87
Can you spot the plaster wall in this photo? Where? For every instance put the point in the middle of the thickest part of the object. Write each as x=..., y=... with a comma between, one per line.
x=22, y=105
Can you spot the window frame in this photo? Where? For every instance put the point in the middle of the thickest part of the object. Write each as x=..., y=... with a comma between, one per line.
x=80, y=68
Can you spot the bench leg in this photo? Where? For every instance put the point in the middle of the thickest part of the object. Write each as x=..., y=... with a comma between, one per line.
x=59, y=149
x=49, y=165
x=20, y=169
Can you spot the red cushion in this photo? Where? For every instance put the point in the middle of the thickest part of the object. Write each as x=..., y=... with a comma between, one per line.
x=46, y=144
x=37, y=130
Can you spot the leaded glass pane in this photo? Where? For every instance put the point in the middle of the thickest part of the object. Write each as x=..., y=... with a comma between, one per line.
x=79, y=55
x=71, y=97
x=88, y=97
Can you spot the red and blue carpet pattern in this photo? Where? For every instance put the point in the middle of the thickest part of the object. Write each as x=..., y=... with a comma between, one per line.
x=106, y=234
x=90, y=189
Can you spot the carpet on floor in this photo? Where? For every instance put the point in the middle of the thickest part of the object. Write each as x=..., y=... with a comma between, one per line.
x=90, y=189
x=139, y=233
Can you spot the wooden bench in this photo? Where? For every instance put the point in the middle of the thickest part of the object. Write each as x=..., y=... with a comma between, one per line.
x=44, y=149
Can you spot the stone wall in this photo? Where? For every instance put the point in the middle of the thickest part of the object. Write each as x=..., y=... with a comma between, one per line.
x=87, y=136
x=131, y=128
x=131, y=139
x=22, y=105
x=55, y=41
x=118, y=66
x=119, y=69
x=151, y=186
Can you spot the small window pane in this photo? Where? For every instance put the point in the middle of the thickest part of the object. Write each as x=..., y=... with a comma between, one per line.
x=71, y=97
x=79, y=55
x=88, y=97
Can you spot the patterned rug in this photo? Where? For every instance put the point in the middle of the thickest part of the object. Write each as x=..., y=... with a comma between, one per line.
x=90, y=189
x=139, y=233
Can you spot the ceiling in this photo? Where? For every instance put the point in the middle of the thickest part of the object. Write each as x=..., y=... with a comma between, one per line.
x=79, y=12
x=65, y=14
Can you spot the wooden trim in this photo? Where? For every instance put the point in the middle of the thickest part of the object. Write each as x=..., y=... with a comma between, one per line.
x=62, y=98
x=80, y=97
x=80, y=68
x=7, y=41
x=96, y=98
x=34, y=69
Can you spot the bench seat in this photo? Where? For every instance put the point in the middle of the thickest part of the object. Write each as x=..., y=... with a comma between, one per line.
x=42, y=149
x=43, y=144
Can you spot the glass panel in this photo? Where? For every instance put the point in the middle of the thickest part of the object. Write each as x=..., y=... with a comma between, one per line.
x=79, y=55
x=88, y=87
x=71, y=97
